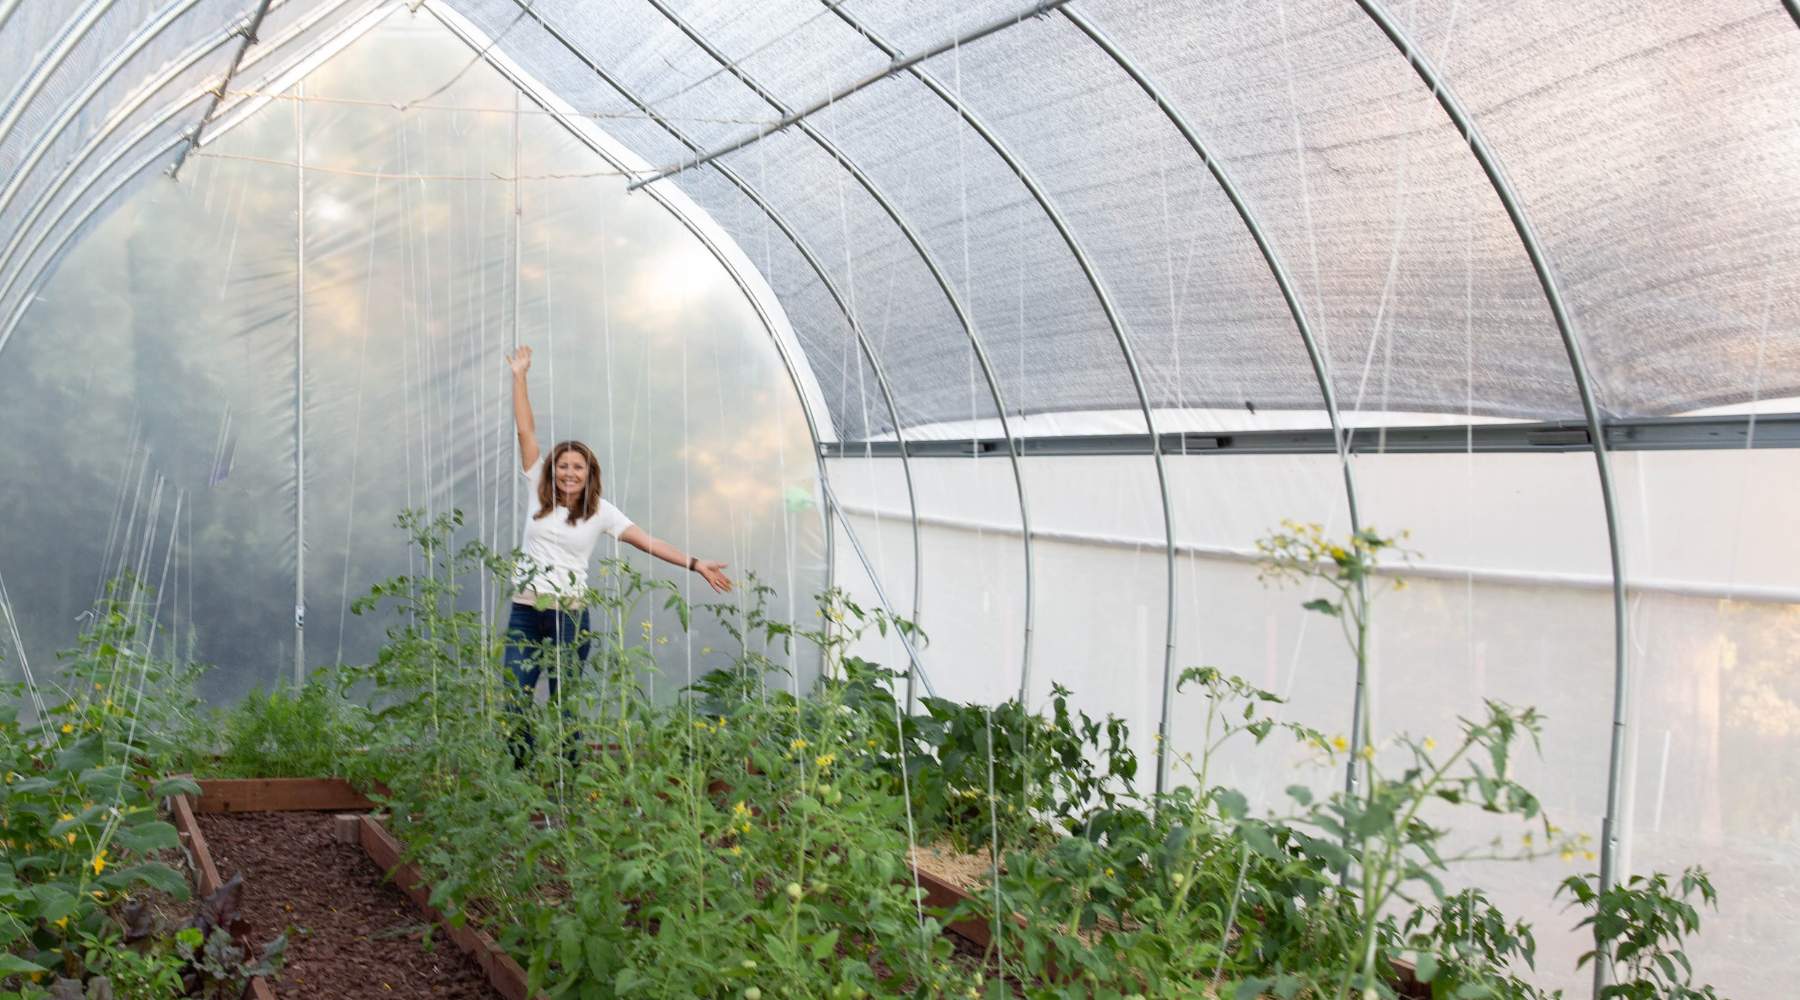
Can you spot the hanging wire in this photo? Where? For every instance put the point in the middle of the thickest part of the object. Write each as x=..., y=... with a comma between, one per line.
x=362, y=367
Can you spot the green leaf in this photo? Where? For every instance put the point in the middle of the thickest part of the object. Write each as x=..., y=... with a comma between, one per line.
x=825, y=945
x=176, y=786
x=13, y=965
x=153, y=874
x=1322, y=606
x=143, y=838
x=1300, y=794
x=1426, y=968
x=1232, y=804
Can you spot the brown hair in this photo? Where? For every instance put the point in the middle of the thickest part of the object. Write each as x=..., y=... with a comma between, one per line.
x=590, y=492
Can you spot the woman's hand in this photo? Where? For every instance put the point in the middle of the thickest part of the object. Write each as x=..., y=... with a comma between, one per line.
x=712, y=573
x=519, y=361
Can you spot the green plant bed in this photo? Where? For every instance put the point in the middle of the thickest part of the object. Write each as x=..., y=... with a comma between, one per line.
x=742, y=841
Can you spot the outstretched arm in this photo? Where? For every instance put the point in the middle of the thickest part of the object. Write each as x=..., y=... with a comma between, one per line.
x=520, y=363
x=712, y=572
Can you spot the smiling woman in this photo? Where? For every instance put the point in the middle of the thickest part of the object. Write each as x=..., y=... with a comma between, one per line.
x=568, y=516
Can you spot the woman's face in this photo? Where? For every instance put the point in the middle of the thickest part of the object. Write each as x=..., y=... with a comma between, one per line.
x=571, y=474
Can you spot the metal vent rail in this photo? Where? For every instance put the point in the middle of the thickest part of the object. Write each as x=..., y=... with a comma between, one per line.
x=1779, y=430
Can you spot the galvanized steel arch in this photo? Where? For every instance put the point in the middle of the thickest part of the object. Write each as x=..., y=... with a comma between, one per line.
x=1565, y=326
x=1038, y=194
x=181, y=64
x=818, y=268
x=67, y=40
x=912, y=237
x=41, y=145
x=1321, y=365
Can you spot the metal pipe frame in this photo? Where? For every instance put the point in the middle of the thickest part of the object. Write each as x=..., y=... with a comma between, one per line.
x=899, y=62
x=1565, y=326
x=661, y=198
x=1321, y=365
x=41, y=145
x=812, y=260
x=46, y=67
x=937, y=272
x=299, y=380
x=181, y=64
x=1113, y=320
x=249, y=32
x=1772, y=430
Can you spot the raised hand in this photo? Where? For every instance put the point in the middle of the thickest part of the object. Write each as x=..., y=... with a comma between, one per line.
x=519, y=361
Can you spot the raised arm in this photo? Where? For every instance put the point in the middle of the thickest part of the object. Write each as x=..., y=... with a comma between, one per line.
x=520, y=363
x=711, y=572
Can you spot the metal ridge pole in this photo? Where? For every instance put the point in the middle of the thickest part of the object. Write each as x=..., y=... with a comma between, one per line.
x=249, y=33
x=937, y=272
x=1113, y=320
x=812, y=260
x=1565, y=326
x=755, y=302
x=67, y=40
x=41, y=145
x=899, y=62
x=1321, y=365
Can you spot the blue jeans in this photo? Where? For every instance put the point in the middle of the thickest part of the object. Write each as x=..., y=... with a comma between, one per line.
x=533, y=639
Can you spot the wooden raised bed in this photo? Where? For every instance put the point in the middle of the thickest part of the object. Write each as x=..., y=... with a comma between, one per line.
x=335, y=795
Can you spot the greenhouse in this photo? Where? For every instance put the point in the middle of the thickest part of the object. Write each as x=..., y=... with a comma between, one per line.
x=1102, y=498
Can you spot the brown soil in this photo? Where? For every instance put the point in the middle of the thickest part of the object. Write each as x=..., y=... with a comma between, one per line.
x=351, y=934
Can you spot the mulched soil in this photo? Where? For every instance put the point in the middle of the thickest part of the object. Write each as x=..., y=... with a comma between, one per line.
x=353, y=934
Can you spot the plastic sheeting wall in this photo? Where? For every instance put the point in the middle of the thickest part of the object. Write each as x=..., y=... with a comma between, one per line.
x=159, y=369
x=1509, y=600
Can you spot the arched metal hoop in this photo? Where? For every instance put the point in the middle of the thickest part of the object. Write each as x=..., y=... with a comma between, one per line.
x=937, y=272
x=1321, y=365
x=1565, y=326
x=818, y=268
x=1113, y=320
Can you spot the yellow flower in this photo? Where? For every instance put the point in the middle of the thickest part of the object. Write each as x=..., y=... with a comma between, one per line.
x=662, y=640
x=1527, y=840
x=71, y=836
x=705, y=649
x=873, y=744
x=1340, y=744
x=825, y=759
x=1368, y=752
x=745, y=828
x=1587, y=855
x=65, y=817
x=67, y=728
x=740, y=809
x=797, y=744
x=61, y=922
x=99, y=862
x=736, y=850
x=1568, y=855
x=1109, y=872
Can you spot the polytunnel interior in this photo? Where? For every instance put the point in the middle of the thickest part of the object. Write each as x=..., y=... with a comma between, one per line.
x=1024, y=322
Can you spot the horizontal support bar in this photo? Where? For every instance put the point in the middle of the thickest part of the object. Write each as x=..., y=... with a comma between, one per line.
x=1779, y=430
x=1599, y=582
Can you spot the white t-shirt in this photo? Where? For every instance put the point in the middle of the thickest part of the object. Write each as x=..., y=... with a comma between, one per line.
x=557, y=550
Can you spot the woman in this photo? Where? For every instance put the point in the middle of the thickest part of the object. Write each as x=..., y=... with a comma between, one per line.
x=565, y=516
